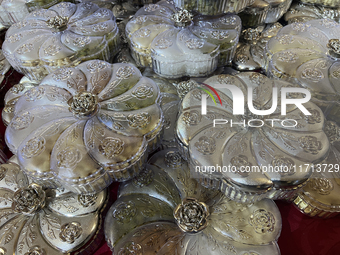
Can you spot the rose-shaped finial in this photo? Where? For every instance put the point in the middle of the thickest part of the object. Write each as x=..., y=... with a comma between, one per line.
x=29, y=200
x=334, y=47
x=84, y=104
x=70, y=232
x=182, y=18
x=251, y=35
x=191, y=215
x=59, y=23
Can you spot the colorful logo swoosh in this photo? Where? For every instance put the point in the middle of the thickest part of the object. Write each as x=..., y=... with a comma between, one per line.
x=209, y=93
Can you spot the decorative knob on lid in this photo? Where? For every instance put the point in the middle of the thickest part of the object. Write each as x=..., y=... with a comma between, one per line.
x=182, y=18
x=59, y=23
x=334, y=47
x=83, y=104
x=191, y=215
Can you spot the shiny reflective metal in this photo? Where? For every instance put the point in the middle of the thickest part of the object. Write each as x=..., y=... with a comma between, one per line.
x=320, y=197
x=214, y=7
x=300, y=12
x=66, y=34
x=264, y=12
x=300, y=53
x=84, y=126
x=40, y=221
x=249, y=53
x=4, y=67
x=12, y=11
x=156, y=212
x=250, y=145
x=164, y=37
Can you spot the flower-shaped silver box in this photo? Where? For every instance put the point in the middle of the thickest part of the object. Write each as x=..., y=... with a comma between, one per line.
x=85, y=126
x=320, y=197
x=39, y=221
x=64, y=35
x=178, y=44
x=164, y=211
x=249, y=147
x=308, y=54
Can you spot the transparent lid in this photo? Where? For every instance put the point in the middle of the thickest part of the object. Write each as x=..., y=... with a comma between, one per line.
x=62, y=35
x=300, y=12
x=309, y=53
x=164, y=210
x=86, y=126
x=176, y=37
x=36, y=220
x=252, y=151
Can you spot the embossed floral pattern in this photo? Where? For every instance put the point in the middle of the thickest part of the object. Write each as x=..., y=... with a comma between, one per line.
x=206, y=145
x=139, y=120
x=310, y=144
x=36, y=250
x=257, y=78
x=191, y=118
x=225, y=79
x=125, y=72
x=62, y=74
x=111, y=147
x=173, y=159
x=52, y=50
x=33, y=147
x=285, y=165
x=241, y=162
x=69, y=157
x=312, y=74
x=323, y=186
x=285, y=39
x=185, y=86
x=70, y=232
x=87, y=200
x=194, y=43
x=301, y=27
x=28, y=200
x=315, y=116
x=144, y=178
x=81, y=41
x=163, y=43
x=289, y=57
x=96, y=66
x=131, y=248
x=191, y=215
x=332, y=131
x=25, y=48
x=125, y=212
x=262, y=221
x=22, y=122
x=219, y=35
x=34, y=93
x=143, y=92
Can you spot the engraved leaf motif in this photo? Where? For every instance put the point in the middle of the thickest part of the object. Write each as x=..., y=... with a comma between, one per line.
x=20, y=247
x=52, y=223
x=8, y=237
x=237, y=143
